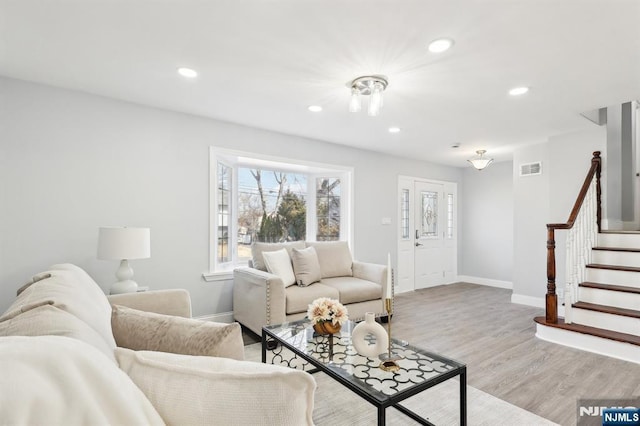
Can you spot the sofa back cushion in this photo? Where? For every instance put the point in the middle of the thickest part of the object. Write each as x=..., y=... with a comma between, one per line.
x=258, y=248
x=334, y=258
x=72, y=290
x=54, y=380
x=47, y=320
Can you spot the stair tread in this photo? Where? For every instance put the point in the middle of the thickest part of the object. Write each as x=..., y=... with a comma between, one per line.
x=614, y=267
x=619, y=232
x=625, y=249
x=607, y=309
x=611, y=287
x=593, y=331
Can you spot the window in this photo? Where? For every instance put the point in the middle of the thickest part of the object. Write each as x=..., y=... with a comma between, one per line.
x=255, y=199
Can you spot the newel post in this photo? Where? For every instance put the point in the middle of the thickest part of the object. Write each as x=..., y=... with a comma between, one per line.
x=597, y=162
x=551, y=297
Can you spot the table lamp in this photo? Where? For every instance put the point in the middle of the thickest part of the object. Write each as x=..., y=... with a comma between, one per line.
x=123, y=243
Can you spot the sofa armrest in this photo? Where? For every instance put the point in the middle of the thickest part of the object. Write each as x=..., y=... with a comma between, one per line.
x=258, y=299
x=168, y=302
x=372, y=272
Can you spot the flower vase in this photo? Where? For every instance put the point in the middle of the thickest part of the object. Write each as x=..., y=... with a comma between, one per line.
x=326, y=327
x=364, y=328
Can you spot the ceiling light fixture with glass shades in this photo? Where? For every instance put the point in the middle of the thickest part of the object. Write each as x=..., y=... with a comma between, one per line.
x=480, y=161
x=371, y=86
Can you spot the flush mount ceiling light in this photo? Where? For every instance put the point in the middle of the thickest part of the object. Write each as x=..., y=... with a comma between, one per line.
x=517, y=91
x=372, y=86
x=187, y=72
x=440, y=45
x=315, y=108
x=480, y=161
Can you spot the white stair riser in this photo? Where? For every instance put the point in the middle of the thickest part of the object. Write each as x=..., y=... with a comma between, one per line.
x=618, y=299
x=619, y=240
x=607, y=276
x=620, y=258
x=617, y=323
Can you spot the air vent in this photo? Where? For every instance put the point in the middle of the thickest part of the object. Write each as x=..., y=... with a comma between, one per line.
x=531, y=169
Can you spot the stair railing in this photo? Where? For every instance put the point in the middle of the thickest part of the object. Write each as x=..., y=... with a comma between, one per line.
x=583, y=226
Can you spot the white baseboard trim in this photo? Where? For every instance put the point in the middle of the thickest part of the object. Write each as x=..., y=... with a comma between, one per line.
x=521, y=299
x=226, y=317
x=486, y=281
x=586, y=342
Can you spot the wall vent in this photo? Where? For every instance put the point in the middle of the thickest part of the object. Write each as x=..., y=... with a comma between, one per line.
x=531, y=169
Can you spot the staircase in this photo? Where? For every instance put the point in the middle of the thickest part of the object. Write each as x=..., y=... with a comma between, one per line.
x=602, y=297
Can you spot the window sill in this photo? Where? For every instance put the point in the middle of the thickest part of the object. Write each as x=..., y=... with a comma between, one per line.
x=217, y=276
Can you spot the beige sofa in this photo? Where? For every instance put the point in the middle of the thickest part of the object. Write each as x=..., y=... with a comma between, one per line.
x=70, y=357
x=263, y=298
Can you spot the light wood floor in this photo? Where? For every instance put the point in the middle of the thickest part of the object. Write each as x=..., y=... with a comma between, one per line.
x=479, y=326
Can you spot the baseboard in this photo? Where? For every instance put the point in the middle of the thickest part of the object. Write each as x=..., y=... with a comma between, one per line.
x=226, y=317
x=536, y=302
x=486, y=281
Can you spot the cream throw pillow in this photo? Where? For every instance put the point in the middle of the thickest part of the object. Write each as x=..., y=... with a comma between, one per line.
x=139, y=330
x=258, y=248
x=198, y=390
x=279, y=263
x=54, y=380
x=306, y=266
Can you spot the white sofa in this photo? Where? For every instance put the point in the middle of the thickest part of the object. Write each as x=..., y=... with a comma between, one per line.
x=68, y=356
x=263, y=298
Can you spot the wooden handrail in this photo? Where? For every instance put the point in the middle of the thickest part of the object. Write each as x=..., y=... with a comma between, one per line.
x=551, y=296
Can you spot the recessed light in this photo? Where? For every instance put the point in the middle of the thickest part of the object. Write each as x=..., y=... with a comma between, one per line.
x=187, y=72
x=394, y=129
x=440, y=45
x=517, y=91
x=315, y=108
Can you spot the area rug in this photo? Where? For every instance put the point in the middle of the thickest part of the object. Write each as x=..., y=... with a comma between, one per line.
x=336, y=405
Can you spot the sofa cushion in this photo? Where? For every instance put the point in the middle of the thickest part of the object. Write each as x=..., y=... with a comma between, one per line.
x=54, y=380
x=354, y=290
x=258, y=248
x=197, y=390
x=49, y=320
x=139, y=330
x=334, y=257
x=279, y=263
x=306, y=266
x=71, y=289
x=298, y=299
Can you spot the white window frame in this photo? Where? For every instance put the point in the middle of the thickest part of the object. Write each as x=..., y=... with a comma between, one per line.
x=312, y=170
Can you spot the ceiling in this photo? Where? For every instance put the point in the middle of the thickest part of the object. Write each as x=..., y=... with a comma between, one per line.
x=261, y=63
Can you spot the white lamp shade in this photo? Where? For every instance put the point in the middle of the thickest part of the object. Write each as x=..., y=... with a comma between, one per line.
x=117, y=243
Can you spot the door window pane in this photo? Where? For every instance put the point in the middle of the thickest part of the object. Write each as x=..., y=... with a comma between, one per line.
x=429, y=214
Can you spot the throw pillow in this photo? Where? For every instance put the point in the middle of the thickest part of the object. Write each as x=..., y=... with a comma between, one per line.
x=279, y=263
x=139, y=330
x=334, y=258
x=258, y=248
x=197, y=390
x=306, y=266
x=54, y=380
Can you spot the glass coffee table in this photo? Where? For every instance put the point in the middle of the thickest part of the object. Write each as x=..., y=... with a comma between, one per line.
x=295, y=345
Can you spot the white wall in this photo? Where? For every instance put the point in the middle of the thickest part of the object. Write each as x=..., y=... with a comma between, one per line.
x=72, y=162
x=487, y=222
x=547, y=198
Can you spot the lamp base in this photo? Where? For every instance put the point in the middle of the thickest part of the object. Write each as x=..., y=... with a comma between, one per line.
x=126, y=286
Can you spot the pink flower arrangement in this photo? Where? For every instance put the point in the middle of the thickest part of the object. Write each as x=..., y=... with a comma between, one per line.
x=325, y=309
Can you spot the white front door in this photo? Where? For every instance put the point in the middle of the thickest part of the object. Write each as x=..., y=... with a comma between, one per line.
x=426, y=244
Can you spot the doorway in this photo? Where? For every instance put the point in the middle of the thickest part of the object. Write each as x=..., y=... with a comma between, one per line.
x=427, y=248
